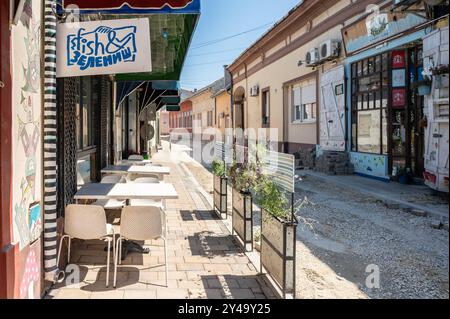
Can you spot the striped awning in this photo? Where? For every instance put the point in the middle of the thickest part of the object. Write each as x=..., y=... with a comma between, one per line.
x=133, y=6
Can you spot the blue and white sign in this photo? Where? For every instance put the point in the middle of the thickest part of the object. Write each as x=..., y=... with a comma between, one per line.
x=103, y=47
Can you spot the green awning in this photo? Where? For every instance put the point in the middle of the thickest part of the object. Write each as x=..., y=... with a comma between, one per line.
x=173, y=108
x=171, y=36
x=171, y=100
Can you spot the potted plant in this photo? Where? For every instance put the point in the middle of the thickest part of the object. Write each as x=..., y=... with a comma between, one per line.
x=220, y=188
x=243, y=178
x=278, y=234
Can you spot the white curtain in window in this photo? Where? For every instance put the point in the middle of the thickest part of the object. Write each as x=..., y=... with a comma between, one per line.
x=309, y=94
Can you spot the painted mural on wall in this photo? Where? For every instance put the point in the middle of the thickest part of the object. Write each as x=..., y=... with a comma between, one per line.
x=27, y=125
x=370, y=164
x=28, y=276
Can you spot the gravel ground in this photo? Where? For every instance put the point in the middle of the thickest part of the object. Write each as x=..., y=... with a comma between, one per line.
x=351, y=231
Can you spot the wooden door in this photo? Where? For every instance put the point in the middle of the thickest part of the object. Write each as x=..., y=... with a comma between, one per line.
x=332, y=110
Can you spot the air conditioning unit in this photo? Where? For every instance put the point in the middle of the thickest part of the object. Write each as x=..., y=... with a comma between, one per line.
x=254, y=90
x=312, y=57
x=330, y=50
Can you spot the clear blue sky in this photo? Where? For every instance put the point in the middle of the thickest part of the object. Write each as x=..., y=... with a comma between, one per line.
x=224, y=18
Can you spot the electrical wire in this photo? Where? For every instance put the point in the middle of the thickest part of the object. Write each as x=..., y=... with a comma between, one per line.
x=216, y=52
x=208, y=63
x=208, y=43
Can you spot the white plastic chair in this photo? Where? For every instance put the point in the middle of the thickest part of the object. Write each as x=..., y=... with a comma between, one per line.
x=111, y=203
x=141, y=223
x=147, y=202
x=136, y=158
x=87, y=222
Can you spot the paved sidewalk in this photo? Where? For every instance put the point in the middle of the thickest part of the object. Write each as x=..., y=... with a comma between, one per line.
x=204, y=260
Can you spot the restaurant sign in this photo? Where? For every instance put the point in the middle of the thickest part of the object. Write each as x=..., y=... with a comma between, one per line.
x=378, y=26
x=103, y=47
x=132, y=6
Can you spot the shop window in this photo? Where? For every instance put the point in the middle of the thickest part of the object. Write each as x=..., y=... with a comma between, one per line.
x=84, y=171
x=84, y=115
x=86, y=149
x=304, y=105
x=370, y=89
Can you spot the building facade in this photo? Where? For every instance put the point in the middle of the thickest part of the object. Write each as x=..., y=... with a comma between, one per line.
x=204, y=110
x=59, y=130
x=345, y=76
x=282, y=82
x=222, y=111
x=182, y=119
x=387, y=116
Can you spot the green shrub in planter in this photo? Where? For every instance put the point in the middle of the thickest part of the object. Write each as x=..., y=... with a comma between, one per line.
x=278, y=235
x=220, y=188
x=243, y=178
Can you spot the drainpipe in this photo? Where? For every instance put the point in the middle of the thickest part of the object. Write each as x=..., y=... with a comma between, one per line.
x=52, y=273
x=231, y=93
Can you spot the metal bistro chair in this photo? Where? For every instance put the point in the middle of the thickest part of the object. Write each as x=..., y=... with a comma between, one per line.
x=140, y=224
x=87, y=222
x=111, y=203
x=147, y=202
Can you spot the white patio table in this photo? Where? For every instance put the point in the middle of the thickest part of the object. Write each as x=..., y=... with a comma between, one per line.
x=135, y=162
x=127, y=170
x=126, y=191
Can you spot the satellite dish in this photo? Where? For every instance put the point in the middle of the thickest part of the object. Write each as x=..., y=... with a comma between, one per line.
x=147, y=132
x=151, y=132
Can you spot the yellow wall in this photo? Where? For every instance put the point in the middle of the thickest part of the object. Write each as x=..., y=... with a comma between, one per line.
x=223, y=102
x=284, y=70
x=201, y=104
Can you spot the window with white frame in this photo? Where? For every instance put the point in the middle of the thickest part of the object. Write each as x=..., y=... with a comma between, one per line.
x=303, y=102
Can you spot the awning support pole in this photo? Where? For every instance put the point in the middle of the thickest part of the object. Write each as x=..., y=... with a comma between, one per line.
x=52, y=273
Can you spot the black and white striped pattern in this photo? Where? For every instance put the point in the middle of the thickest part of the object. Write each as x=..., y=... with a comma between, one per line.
x=50, y=235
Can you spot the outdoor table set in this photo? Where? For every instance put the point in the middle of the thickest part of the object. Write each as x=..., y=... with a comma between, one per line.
x=142, y=203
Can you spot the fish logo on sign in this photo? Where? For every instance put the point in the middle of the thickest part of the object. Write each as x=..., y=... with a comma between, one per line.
x=102, y=47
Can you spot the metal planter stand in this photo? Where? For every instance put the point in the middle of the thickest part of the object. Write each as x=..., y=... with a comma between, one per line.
x=243, y=218
x=220, y=196
x=278, y=251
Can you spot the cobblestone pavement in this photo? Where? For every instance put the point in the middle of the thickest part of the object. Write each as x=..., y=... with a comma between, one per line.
x=204, y=260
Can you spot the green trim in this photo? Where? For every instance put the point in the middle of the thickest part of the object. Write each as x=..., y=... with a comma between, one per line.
x=168, y=54
x=173, y=108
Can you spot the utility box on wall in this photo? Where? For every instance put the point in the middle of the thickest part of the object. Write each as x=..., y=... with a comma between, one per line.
x=436, y=59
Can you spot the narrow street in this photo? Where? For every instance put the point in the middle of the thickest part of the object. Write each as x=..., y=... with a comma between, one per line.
x=244, y=150
x=345, y=231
